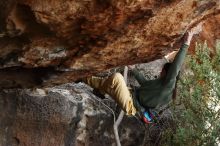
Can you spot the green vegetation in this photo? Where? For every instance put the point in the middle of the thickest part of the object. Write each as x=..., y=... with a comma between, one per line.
x=197, y=117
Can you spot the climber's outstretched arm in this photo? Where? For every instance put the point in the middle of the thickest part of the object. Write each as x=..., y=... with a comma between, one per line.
x=180, y=56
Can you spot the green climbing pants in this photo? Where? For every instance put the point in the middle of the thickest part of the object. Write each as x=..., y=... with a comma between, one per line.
x=116, y=87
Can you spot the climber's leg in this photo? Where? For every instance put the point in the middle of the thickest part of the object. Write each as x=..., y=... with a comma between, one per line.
x=116, y=87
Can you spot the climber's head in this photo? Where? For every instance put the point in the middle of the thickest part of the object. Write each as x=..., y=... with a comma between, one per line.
x=165, y=70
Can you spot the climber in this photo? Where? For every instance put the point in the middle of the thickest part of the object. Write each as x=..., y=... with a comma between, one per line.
x=152, y=93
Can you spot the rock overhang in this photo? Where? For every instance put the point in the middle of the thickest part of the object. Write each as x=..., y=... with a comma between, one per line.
x=46, y=43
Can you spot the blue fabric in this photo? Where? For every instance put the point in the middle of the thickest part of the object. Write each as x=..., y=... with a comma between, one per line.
x=147, y=115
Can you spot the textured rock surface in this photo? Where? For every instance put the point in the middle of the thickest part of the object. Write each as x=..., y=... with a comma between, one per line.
x=49, y=42
x=210, y=33
x=67, y=115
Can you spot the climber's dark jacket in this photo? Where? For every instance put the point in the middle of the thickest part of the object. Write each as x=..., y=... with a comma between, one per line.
x=154, y=93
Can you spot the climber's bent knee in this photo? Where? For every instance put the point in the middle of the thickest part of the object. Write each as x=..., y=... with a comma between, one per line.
x=117, y=79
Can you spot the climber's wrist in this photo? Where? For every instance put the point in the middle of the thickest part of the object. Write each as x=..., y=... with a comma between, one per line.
x=188, y=38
